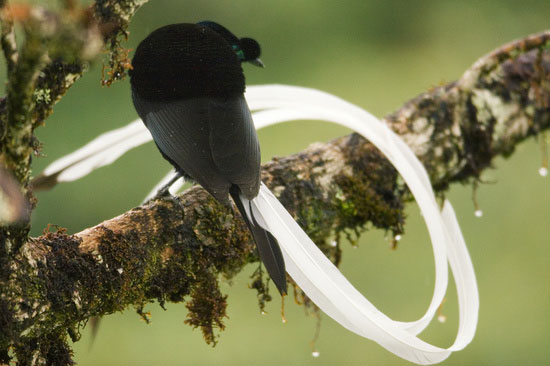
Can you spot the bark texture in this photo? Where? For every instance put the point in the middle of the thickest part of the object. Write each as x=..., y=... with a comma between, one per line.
x=54, y=49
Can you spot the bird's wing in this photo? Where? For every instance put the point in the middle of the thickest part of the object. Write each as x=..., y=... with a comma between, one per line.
x=234, y=143
x=181, y=131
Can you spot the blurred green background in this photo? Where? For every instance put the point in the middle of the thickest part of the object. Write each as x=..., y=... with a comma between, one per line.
x=376, y=54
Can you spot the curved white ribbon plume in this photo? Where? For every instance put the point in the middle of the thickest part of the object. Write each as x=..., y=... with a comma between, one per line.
x=306, y=264
x=316, y=275
x=103, y=150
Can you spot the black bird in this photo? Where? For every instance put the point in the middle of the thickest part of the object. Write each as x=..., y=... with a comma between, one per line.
x=187, y=87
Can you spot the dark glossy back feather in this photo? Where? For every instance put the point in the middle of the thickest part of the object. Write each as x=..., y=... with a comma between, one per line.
x=185, y=60
x=210, y=140
x=187, y=87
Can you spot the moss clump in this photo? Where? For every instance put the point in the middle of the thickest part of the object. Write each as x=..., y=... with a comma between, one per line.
x=50, y=350
x=52, y=83
x=261, y=285
x=114, y=17
x=371, y=194
x=207, y=306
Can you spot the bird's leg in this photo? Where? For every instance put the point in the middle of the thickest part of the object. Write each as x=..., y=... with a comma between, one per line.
x=175, y=200
x=164, y=191
x=165, y=188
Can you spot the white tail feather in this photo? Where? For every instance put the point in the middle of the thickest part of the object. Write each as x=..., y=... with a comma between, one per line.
x=101, y=151
x=296, y=102
x=284, y=103
x=465, y=280
x=332, y=292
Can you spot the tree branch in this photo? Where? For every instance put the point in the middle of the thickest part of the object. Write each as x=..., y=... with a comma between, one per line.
x=457, y=129
x=157, y=252
x=9, y=45
x=57, y=48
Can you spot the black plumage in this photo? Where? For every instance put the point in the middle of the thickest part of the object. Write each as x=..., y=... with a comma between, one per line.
x=187, y=86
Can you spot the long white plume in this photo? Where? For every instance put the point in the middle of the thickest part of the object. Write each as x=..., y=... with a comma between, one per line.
x=331, y=291
x=306, y=264
x=314, y=273
x=101, y=151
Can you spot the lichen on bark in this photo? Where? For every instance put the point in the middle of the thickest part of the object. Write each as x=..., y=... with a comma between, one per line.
x=55, y=48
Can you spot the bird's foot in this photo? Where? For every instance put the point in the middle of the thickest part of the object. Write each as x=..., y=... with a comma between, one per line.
x=167, y=195
x=164, y=193
x=161, y=194
x=165, y=188
x=177, y=201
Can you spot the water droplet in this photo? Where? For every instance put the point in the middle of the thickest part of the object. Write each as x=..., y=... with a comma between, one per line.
x=441, y=318
x=263, y=312
x=333, y=243
x=478, y=213
x=397, y=237
x=543, y=171
x=283, y=320
x=315, y=354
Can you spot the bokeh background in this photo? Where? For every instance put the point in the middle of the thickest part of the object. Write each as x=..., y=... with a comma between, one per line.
x=377, y=54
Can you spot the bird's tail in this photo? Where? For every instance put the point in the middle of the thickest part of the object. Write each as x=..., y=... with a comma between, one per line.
x=335, y=295
x=268, y=247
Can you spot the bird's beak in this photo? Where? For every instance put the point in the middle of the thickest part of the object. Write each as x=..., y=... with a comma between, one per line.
x=257, y=62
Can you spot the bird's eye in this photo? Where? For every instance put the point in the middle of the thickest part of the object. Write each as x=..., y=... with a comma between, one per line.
x=239, y=52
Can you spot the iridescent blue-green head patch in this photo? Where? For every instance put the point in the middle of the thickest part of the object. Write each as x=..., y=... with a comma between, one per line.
x=246, y=49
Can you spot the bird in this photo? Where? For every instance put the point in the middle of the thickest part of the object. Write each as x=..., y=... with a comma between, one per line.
x=187, y=85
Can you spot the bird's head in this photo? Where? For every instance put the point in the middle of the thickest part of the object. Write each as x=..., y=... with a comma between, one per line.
x=250, y=51
x=247, y=49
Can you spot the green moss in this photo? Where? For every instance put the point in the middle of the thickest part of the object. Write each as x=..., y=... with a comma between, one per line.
x=207, y=306
x=371, y=194
x=218, y=244
x=52, y=350
x=52, y=83
x=261, y=285
x=115, y=17
x=42, y=96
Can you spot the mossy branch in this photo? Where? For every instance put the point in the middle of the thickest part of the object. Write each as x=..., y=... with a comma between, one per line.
x=56, y=48
x=55, y=282
x=7, y=38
